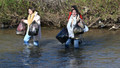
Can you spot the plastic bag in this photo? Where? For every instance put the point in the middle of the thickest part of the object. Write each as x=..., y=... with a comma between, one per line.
x=62, y=36
x=78, y=29
x=33, y=29
x=86, y=29
x=21, y=28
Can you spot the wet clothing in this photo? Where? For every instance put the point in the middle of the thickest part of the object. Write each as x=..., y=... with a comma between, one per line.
x=76, y=43
x=34, y=17
x=27, y=38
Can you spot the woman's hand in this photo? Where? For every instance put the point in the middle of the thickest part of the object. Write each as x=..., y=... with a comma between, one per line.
x=22, y=20
x=79, y=24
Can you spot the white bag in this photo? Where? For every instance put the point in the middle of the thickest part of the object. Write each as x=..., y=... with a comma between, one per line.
x=86, y=29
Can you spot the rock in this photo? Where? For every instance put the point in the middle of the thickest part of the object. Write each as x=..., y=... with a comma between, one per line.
x=2, y=25
x=101, y=24
x=114, y=27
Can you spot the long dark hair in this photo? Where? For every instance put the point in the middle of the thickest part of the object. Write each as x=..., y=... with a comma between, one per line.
x=33, y=9
x=76, y=11
x=75, y=7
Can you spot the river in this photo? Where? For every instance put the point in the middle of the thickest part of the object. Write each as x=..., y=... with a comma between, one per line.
x=100, y=49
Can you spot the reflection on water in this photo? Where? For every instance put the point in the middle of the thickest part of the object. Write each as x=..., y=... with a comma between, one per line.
x=100, y=49
x=29, y=54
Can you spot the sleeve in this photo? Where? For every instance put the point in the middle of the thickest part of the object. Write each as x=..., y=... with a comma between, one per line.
x=68, y=25
x=38, y=19
x=25, y=21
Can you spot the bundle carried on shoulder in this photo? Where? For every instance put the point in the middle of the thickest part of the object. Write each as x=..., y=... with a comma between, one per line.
x=79, y=29
x=33, y=29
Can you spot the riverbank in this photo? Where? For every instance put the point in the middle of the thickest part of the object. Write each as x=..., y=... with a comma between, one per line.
x=54, y=13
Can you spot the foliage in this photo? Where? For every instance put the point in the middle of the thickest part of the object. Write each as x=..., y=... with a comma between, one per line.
x=11, y=11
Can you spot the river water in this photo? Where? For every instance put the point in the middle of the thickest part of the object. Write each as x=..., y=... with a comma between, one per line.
x=100, y=49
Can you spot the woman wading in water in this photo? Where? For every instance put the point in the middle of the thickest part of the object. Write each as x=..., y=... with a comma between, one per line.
x=32, y=17
x=74, y=18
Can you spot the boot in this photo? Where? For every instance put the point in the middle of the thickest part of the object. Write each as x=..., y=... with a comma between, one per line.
x=36, y=43
x=26, y=43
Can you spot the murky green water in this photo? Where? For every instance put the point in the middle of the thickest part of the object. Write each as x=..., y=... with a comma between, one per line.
x=100, y=49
